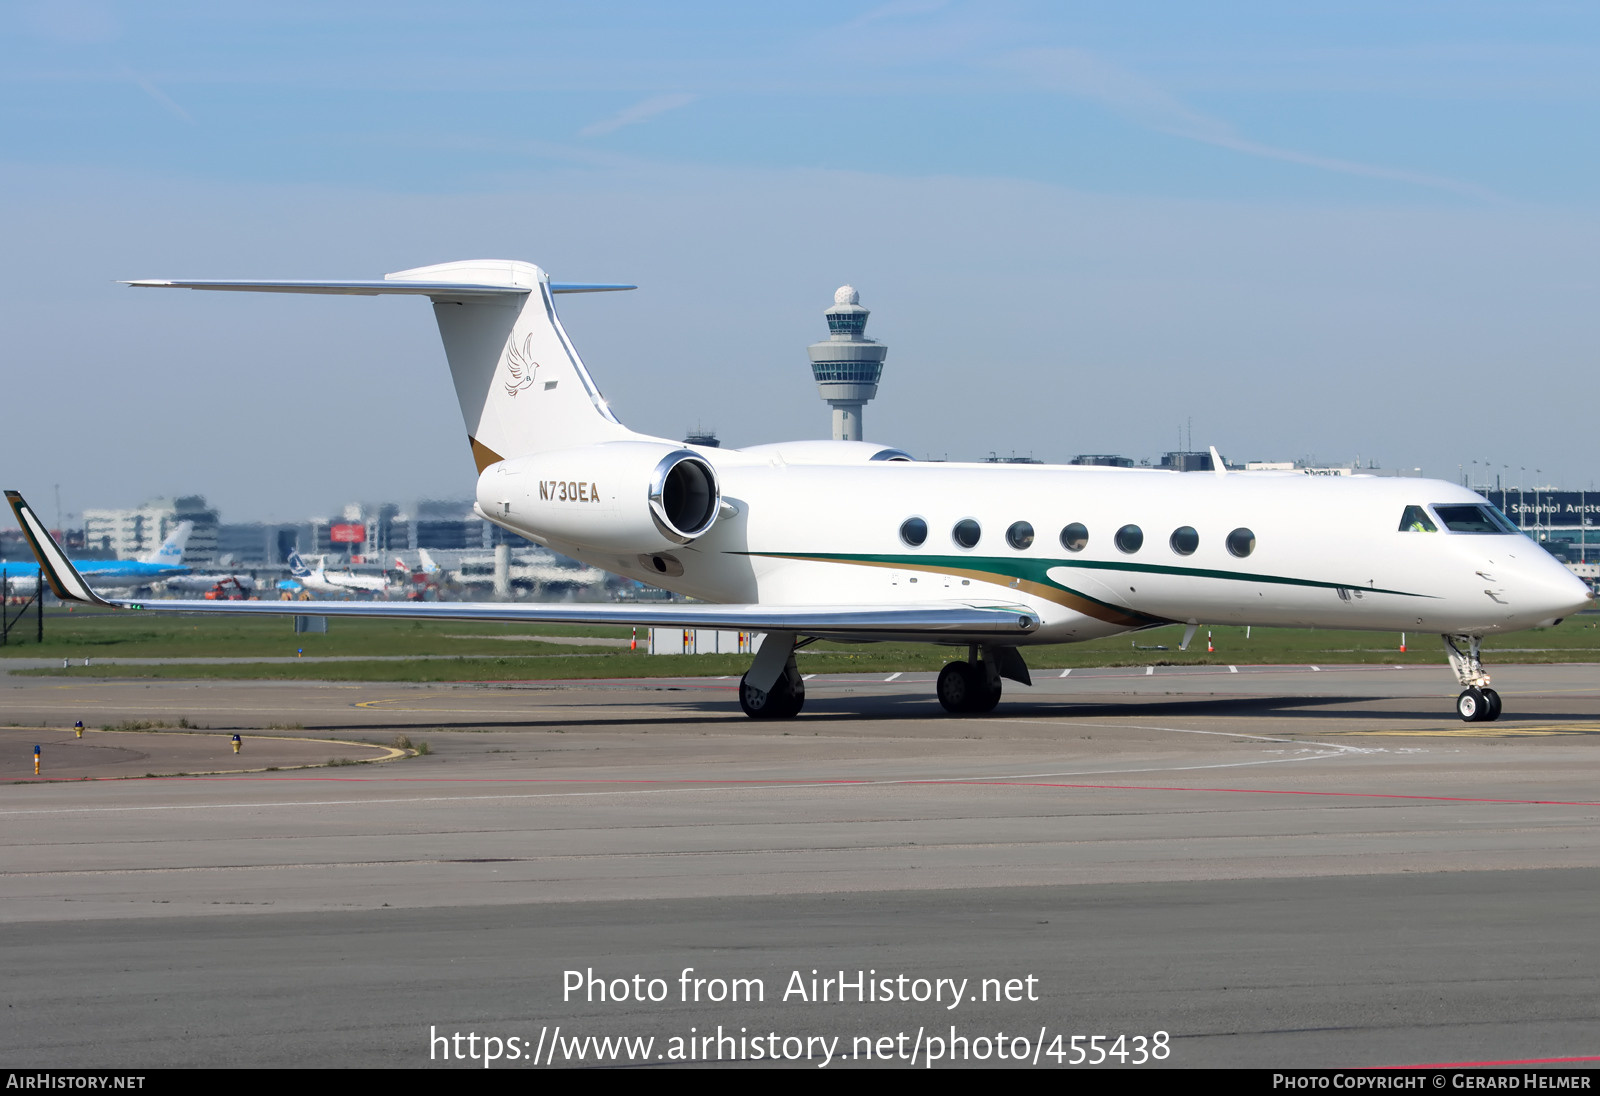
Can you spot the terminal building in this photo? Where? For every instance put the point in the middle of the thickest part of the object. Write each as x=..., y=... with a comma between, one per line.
x=129, y=534
x=1562, y=521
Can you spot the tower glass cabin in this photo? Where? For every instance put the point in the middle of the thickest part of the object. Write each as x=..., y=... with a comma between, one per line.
x=848, y=364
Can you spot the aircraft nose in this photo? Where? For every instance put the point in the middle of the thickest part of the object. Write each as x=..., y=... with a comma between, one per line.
x=1556, y=592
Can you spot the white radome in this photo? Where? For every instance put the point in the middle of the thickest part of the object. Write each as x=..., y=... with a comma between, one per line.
x=846, y=294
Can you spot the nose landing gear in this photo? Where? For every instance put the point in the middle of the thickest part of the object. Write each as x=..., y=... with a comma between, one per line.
x=1477, y=703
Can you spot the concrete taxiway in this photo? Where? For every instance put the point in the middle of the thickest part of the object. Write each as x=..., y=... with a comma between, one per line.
x=1274, y=867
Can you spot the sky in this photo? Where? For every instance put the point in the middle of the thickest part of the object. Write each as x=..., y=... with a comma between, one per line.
x=1320, y=231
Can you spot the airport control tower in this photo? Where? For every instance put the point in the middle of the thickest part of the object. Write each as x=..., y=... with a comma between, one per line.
x=847, y=366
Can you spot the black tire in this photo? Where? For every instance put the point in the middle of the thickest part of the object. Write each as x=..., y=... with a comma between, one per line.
x=1472, y=706
x=956, y=686
x=1493, y=699
x=964, y=689
x=782, y=702
x=797, y=699
x=984, y=696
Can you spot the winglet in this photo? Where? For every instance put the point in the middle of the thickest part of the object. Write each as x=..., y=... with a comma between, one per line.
x=57, y=569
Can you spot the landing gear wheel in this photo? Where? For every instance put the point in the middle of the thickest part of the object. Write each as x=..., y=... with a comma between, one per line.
x=783, y=701
x=1473, y=706
x=1492, y=698
x=956, y=685
x=983, y=701
x=964, y=689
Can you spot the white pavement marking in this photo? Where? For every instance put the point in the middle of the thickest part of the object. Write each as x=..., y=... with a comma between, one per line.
x=807, y=677
x=1064, y=673
x=891, y=677
x=1317, y=668
x=1233, y=669
x=1335, y=750
x=1149, y=671
x=1064, y=722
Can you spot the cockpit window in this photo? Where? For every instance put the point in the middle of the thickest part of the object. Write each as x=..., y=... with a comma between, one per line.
x=1416, y=520
x=1473, y=519
x=1500, y=518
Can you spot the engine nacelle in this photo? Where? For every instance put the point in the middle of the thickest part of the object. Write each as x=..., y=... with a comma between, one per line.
x=620, y=496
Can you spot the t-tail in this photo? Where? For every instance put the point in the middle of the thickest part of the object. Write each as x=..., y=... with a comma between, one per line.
x=521, y=385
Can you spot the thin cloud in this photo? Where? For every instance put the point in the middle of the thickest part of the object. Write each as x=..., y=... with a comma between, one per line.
x=639, y=112
x=159, y=96
x=897, y=9
x=1075, y=72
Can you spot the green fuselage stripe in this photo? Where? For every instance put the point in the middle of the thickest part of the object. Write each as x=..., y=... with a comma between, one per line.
x=1037, y=571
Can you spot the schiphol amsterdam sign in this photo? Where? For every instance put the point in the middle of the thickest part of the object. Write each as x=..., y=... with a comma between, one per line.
x=1548, y=507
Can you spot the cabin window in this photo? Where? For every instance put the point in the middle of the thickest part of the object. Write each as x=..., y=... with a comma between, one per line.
x=1416, y=520
x=1241, y=542
x=1020, y=535
x=1472, y=519
x=913, y=531
x=1074, y=537
x=1130, y=538
x=1185, y=540
x=967, y=533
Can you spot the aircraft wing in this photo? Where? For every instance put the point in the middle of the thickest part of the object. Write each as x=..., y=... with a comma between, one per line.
x=925, y=621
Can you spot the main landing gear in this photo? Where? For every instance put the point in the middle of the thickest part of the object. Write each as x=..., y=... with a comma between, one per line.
x=973, y=687
x=773, y=687
x=783, y=701
x=969, y=688
x=1477, y=703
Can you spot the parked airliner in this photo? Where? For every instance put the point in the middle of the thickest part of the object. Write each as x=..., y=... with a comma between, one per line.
x=160, y=564
x=854, y=541
x=320, y=580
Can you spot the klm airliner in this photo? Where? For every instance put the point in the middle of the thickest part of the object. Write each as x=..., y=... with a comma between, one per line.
x=112, y=574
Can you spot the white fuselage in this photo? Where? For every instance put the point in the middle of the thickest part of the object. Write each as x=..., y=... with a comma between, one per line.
x=1327, y=552
x=340, y=583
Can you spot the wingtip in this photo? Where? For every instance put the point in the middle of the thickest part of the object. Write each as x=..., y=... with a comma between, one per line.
x=54, y=566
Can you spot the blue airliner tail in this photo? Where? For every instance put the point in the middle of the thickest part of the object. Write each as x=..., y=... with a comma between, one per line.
x=297, y=566
x=170, y=554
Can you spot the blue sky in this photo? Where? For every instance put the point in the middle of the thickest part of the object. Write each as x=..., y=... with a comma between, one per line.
x=1311, y=230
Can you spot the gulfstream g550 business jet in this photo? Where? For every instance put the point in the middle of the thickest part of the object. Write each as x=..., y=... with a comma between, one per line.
x=852, y=541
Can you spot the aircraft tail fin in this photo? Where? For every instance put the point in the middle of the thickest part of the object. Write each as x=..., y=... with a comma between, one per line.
x=54, y=566
x=297, y=566
x=428, y=566
x=170, y=553
x=521, y=385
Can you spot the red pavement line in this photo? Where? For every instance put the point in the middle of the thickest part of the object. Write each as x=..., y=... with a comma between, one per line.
x=1505, y=1062
x=851, y=782
x=1283, y=791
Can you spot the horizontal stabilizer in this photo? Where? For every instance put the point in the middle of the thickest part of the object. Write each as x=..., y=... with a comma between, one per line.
x=372, y=288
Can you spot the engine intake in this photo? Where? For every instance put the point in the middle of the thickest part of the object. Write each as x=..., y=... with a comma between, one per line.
x=631, y=497
x=684, y=496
